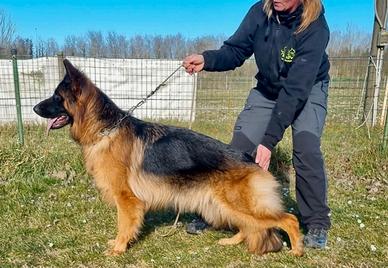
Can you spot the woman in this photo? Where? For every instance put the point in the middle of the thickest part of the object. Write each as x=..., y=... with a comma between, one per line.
x=288, y=39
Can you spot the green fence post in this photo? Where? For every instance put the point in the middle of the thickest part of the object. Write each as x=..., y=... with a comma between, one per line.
x=385, y=138
x=17, y=96
x=61, y=68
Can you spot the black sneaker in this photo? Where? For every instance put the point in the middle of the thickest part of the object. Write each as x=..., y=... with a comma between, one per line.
x=316, y=238
x=197, y=226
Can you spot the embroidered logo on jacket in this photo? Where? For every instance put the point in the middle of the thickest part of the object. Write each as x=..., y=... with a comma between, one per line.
x=287, y=54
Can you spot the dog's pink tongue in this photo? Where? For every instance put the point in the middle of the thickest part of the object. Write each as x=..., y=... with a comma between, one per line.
x=50, y=123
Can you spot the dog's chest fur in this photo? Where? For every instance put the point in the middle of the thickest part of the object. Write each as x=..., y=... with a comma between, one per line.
x=100, y=162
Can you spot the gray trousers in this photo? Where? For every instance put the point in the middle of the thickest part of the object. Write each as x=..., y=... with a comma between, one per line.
x=311, y=180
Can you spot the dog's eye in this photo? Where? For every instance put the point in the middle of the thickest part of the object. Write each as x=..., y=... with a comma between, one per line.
x=57, y=98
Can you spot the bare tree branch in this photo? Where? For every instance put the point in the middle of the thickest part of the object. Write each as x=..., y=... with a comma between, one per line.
x=7, y=31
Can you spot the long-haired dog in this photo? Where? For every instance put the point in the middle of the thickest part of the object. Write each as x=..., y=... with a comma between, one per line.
x=140, y=166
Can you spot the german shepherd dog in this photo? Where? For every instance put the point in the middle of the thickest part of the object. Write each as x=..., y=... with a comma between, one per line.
x=140, y=166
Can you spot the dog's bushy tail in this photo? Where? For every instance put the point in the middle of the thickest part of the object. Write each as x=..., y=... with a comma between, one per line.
x=272, y=241
x=266, y=194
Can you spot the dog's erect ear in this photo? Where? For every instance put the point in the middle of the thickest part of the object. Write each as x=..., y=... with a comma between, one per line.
x=71, y=71
x=76, y=77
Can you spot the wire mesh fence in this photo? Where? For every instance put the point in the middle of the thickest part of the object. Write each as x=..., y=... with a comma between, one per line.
x=225, y=93
x=126, y=81
x=206, y=97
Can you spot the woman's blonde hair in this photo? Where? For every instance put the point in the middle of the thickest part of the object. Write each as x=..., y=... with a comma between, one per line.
x=311, y=11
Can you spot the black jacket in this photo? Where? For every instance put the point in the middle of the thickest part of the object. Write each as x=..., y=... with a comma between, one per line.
x=289, y=64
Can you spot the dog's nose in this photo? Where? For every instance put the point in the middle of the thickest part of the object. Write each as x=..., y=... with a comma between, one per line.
x=36, y=109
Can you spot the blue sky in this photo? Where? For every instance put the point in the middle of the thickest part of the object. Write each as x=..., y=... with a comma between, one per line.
x=57, y=19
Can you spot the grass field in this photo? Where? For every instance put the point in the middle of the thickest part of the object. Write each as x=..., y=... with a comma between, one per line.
x=52, y=215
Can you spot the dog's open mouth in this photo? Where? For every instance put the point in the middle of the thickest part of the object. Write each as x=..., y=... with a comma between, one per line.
x=57, y=122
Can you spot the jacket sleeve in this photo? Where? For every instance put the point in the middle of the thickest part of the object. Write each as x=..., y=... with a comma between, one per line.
x=298, y=84
x=237, y=48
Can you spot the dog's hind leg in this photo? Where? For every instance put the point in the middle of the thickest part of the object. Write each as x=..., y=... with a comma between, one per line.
x=267, y=209
x=261, y=237
x=259, y=240
x=234, y=240
x=268, y=241
x=290, y=224
x=130, y=215
x=287, y=222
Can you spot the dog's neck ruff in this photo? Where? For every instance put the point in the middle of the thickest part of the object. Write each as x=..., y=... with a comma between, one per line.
x=107, y=131
x=110, y=129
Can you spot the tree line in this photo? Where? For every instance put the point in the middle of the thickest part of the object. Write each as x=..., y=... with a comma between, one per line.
x=349, y=42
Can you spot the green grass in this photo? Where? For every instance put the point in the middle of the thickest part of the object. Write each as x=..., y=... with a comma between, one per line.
x=52, y=215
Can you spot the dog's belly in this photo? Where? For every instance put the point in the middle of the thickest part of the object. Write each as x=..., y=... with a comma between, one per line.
x=158, y=194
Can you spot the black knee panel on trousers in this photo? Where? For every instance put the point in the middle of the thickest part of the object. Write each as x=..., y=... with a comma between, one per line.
x=311, y=180
x=241, y=142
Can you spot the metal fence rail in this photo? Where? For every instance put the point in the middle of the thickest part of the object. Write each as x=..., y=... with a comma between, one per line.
x=206, y=96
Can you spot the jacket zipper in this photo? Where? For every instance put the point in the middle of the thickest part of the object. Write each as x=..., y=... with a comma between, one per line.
x=273, y=39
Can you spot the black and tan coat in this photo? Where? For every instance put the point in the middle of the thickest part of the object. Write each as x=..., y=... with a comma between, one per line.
x=140, y=166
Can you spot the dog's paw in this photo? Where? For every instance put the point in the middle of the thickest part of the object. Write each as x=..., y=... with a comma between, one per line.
x=111, y=243
x=227, y=242
x=297, y=252
x=234, y=240
x=114, y=248
x=113, y=252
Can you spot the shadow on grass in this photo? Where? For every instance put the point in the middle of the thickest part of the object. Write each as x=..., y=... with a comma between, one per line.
x=163, y=218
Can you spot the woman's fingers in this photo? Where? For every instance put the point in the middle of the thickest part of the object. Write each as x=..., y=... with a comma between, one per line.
x=193, y=63
x=263, y=157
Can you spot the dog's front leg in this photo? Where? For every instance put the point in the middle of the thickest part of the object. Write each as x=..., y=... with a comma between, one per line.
x=130, y=215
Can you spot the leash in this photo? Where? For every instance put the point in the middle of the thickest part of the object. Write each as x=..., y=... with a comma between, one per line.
x=140, y=103
x=107, y=131
x=172, y=229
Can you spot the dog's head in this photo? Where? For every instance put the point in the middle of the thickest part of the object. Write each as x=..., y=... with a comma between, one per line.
x=61, y=107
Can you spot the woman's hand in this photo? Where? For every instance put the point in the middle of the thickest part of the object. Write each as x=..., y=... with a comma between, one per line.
x=193, y=63
x=263, y=157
